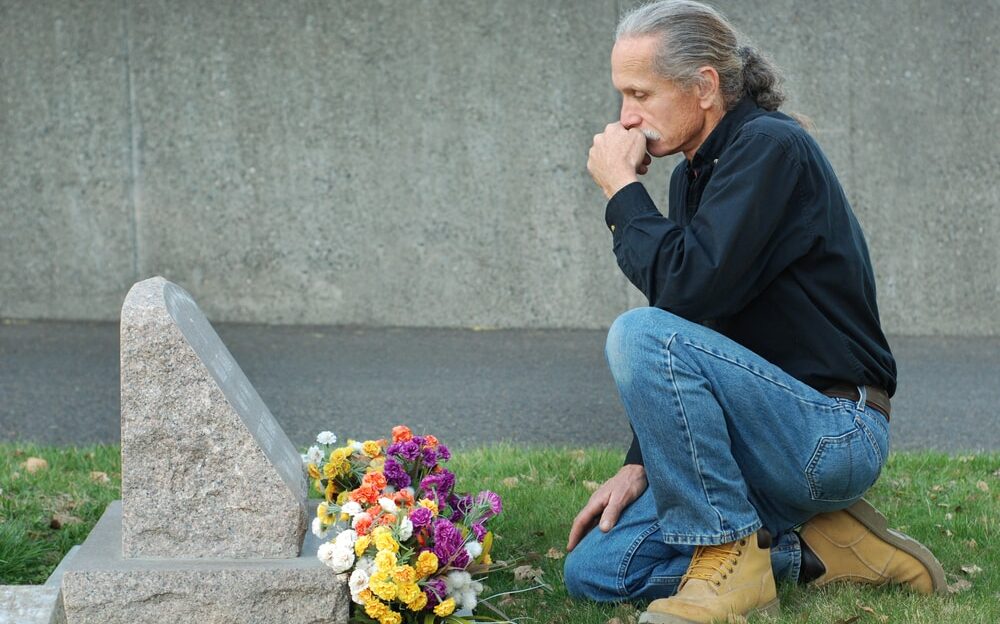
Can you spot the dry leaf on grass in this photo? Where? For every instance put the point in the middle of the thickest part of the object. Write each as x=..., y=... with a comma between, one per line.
x=99, y=477
x=60, y=520
x=983, y=486
x=591, y=485
x=871, y=612
x=971, y=569
x=614, y=620
x=34, y=464
x=959, y=586
x=850, y=620
x=971, y=544
x=510, y=482
x=578, y=454
x=527, y=573
x=555, y=553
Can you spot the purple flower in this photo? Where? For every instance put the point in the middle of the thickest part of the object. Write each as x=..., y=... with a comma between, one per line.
x=460, y=505
x=443, y=453
x=493, y=500
x=420, y=517
x=447, y=541
x=436, y=589
x=461, y=560
x=395, y=474
x=477, y=528
x=430, y=457
x=419, y=440
x=408, y=450
x=440, y=482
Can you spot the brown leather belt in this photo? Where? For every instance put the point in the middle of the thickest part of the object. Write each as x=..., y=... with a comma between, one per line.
x=876, y=398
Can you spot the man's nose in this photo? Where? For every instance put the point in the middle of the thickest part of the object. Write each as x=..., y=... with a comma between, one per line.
x=629, y=118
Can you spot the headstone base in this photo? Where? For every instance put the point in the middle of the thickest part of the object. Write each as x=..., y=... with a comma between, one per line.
x=100, y=587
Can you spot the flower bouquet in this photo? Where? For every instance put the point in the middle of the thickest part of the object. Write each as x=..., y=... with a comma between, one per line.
x=392, y=520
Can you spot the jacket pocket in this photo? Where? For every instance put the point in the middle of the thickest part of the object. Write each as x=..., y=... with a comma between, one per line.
x=843, y=467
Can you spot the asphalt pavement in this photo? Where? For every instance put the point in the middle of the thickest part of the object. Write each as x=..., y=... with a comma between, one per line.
x=59, y=385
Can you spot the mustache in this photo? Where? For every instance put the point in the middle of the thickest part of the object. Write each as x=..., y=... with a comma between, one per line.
x=651, y=135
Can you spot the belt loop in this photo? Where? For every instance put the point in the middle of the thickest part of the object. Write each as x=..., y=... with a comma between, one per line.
x=863, y=393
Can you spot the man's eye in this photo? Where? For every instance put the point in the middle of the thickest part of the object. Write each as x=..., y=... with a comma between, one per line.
x=639, y=95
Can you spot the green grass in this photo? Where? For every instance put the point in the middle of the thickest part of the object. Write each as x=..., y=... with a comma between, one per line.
x=951, y=504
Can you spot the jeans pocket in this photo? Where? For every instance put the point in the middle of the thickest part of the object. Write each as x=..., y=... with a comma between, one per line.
x=843, y=467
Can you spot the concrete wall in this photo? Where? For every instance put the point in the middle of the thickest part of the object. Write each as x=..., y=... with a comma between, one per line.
x=423, y=163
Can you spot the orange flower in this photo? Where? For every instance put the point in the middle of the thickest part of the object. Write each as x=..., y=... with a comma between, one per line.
x=403, y=498
x=401, y=433
x=375, y=479
x=363, y=525
x=386, y=519
x=430, y=441
x=365, y=494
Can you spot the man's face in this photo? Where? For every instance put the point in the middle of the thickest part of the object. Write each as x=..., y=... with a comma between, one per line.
x=671, y=117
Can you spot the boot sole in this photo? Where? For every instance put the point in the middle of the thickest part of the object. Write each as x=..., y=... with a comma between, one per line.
x=772, y=608
x=872, y=518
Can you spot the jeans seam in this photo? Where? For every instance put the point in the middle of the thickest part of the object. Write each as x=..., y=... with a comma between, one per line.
x=694, y=539
x=687, y=432
x=627, y=558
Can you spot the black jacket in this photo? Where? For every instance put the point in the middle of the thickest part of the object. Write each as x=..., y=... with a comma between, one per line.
x=761, y=245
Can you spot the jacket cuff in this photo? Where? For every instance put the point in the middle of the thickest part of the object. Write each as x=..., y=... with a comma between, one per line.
x=634, y=455
x=630, y=201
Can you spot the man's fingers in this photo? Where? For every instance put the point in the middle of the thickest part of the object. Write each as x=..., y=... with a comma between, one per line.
x=647, y=159
x=642, y=170
x=584, y=522
x=610, y=516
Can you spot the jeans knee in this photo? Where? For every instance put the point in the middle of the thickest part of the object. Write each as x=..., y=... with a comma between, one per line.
x=579, y=577
x=632, y=337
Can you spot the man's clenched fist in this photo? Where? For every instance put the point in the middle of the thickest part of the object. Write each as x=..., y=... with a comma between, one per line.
x=617, y=157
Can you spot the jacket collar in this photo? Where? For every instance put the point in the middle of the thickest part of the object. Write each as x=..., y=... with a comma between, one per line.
x=723, y=133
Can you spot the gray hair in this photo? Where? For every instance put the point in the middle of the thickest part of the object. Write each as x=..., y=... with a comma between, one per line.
x=693, y=35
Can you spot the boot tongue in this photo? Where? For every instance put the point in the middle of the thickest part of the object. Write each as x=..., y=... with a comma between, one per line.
x=708, y=561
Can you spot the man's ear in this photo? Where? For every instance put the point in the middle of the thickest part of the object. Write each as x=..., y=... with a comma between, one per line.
x=708, y=87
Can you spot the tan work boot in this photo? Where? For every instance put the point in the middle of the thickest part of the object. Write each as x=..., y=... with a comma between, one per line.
x=856, y=545
x=721, y=581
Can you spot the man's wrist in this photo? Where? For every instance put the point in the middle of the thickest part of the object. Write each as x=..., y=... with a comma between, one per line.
x=619, y=184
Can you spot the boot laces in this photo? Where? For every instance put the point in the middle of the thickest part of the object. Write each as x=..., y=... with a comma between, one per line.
x=712, y=561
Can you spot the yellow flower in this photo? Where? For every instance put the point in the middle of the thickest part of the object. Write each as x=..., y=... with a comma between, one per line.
x=326, y=514
x=385, y=541
x=377, y=464
x=408, y=592
x=313, y=471
x=375, y=608
x=385, y=561
x=380, y=530
x=427, y=564
x=382, y=586
x=390, y=618
x=429, y=504
x=362, y=545
x=331, y=489
x=371, y=448
x=405, y=574
x=337, y=456
x=419, y=603
x=446, y=608
x=342, y=497
x=331, y=470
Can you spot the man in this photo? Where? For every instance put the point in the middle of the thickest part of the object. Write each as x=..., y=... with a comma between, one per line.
x=757, y=384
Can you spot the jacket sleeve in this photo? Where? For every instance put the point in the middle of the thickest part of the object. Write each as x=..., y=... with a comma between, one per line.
x=739, y=239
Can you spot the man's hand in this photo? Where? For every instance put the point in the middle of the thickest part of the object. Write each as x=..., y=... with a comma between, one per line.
x=616, y=157
x=608, y=502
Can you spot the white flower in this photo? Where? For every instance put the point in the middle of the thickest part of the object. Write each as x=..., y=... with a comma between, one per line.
x=326, y=437
x=367, y=564
x=358, y=518
x=337, y=556
x=357, y=446
x=357, y=598
x=388, y=505
x=469, y=600
x=325, y=552
x=314, y=455
x=474, y=549
x=456, y=581
x=351, y=508
x=405, y=529
x=358, y=581
x=317, y=528
x=346, y=538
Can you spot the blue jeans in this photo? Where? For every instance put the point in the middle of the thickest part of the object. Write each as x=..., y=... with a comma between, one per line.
x=731, y=443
